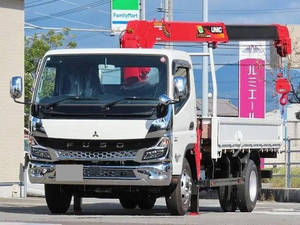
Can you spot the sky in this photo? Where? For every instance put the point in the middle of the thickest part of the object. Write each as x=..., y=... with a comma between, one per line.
x=95, y=14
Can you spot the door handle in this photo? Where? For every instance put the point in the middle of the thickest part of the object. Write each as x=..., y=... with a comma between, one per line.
x=191, y=126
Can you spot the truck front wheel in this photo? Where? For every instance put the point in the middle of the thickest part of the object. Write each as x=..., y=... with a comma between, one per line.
x=58, y=200
x=146, y=202
x=178, y=201
x=128, y=202
x=247, y=193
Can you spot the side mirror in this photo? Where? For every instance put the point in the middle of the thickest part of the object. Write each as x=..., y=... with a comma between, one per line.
x=179, y=87
x=163, y=105
x=16, y=87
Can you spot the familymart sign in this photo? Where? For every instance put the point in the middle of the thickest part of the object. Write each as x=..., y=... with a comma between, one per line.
x=122, y=12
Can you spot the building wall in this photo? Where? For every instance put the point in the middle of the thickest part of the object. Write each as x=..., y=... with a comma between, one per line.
x=11, y=114
x=294, y=59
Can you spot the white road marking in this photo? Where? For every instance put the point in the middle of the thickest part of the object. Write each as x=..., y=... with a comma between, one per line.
x=283, y=210
x=278, y=213
x=18, y=223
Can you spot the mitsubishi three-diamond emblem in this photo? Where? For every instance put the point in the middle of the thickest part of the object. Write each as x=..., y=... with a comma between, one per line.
x=95, y=134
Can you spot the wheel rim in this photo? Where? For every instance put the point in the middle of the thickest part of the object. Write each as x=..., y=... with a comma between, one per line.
x=186, y=187
x=253, y=185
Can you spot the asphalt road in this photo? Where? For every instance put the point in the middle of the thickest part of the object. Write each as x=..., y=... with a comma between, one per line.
x=34, y=211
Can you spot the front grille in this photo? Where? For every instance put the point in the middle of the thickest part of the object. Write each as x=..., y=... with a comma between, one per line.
x=96, y=145
x=96, y=172
x=102, y=155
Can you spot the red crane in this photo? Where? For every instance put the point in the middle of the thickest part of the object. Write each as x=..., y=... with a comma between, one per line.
x=144, y=34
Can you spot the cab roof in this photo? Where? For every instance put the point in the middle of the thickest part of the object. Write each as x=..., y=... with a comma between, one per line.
x=175, y=54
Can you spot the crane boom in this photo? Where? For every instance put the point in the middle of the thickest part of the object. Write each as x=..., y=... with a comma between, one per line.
x=144, y=34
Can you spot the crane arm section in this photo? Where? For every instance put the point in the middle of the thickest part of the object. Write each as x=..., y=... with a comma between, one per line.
x=144, y=34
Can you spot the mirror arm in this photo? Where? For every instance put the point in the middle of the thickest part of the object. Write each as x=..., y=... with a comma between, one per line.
x=174, y=101
x=24, y=103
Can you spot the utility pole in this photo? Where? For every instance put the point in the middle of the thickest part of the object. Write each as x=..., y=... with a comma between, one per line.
x=205, y=65
x=168, y=15
x=142, y=10
x=166, y=10
x=170, y=10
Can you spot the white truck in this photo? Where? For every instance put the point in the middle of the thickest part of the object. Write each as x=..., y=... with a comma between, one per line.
x=122, y=123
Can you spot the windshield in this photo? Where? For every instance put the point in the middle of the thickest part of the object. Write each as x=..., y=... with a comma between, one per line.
x=87, y=80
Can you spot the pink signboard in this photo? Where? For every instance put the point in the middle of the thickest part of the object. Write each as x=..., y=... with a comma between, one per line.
x=252, y=88
x=252, y=56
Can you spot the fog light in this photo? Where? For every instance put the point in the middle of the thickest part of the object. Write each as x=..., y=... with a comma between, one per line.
x=154, y=154
x=40, y=153
x=44, y=171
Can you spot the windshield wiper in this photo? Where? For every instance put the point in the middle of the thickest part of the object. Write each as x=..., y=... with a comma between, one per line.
x=108, y=105
x=75, y=98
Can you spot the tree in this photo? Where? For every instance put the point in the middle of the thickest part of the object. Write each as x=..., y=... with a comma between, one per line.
x=35, y=48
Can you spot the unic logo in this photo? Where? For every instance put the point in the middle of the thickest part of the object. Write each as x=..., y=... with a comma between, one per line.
x=216, y=30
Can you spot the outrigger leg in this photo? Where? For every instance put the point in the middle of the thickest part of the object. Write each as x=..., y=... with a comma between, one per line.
x=195, y=200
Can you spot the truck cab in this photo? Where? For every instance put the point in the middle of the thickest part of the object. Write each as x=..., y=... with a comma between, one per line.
x=104, y=121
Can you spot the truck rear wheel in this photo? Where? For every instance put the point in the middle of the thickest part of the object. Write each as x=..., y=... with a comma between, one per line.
x=128, y=202
x=58, y=200
x=146, y=202
x=178, y=202
x=227, y=198
x=247, y=193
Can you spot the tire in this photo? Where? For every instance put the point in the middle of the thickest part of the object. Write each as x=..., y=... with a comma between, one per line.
x=128, y=202
x=179, y=200
x=58, y=200
x=247, y=193
x=146, y=202
x=227, y=198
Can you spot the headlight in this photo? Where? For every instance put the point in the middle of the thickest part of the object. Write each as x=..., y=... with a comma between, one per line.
x=154, y=154
x=159, y=151
x=40, y=153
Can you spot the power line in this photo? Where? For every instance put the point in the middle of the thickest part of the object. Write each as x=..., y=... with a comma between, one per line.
x=241, y=11
x=39, y=4
x=86, y=36
x=71, y=11
x=30, y=3
x=75, y=3
x=32, y=26
x=70, y=20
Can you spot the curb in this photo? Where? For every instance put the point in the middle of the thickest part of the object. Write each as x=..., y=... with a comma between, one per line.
x=281, y=194
x=267, y=194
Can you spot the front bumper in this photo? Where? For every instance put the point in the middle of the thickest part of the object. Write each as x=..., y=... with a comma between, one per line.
x=143, y=175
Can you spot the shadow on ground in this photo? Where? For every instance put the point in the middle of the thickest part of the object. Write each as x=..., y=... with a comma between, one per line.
x=113, y=209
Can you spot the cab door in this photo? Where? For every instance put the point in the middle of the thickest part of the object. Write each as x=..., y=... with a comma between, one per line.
x=184, y=118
